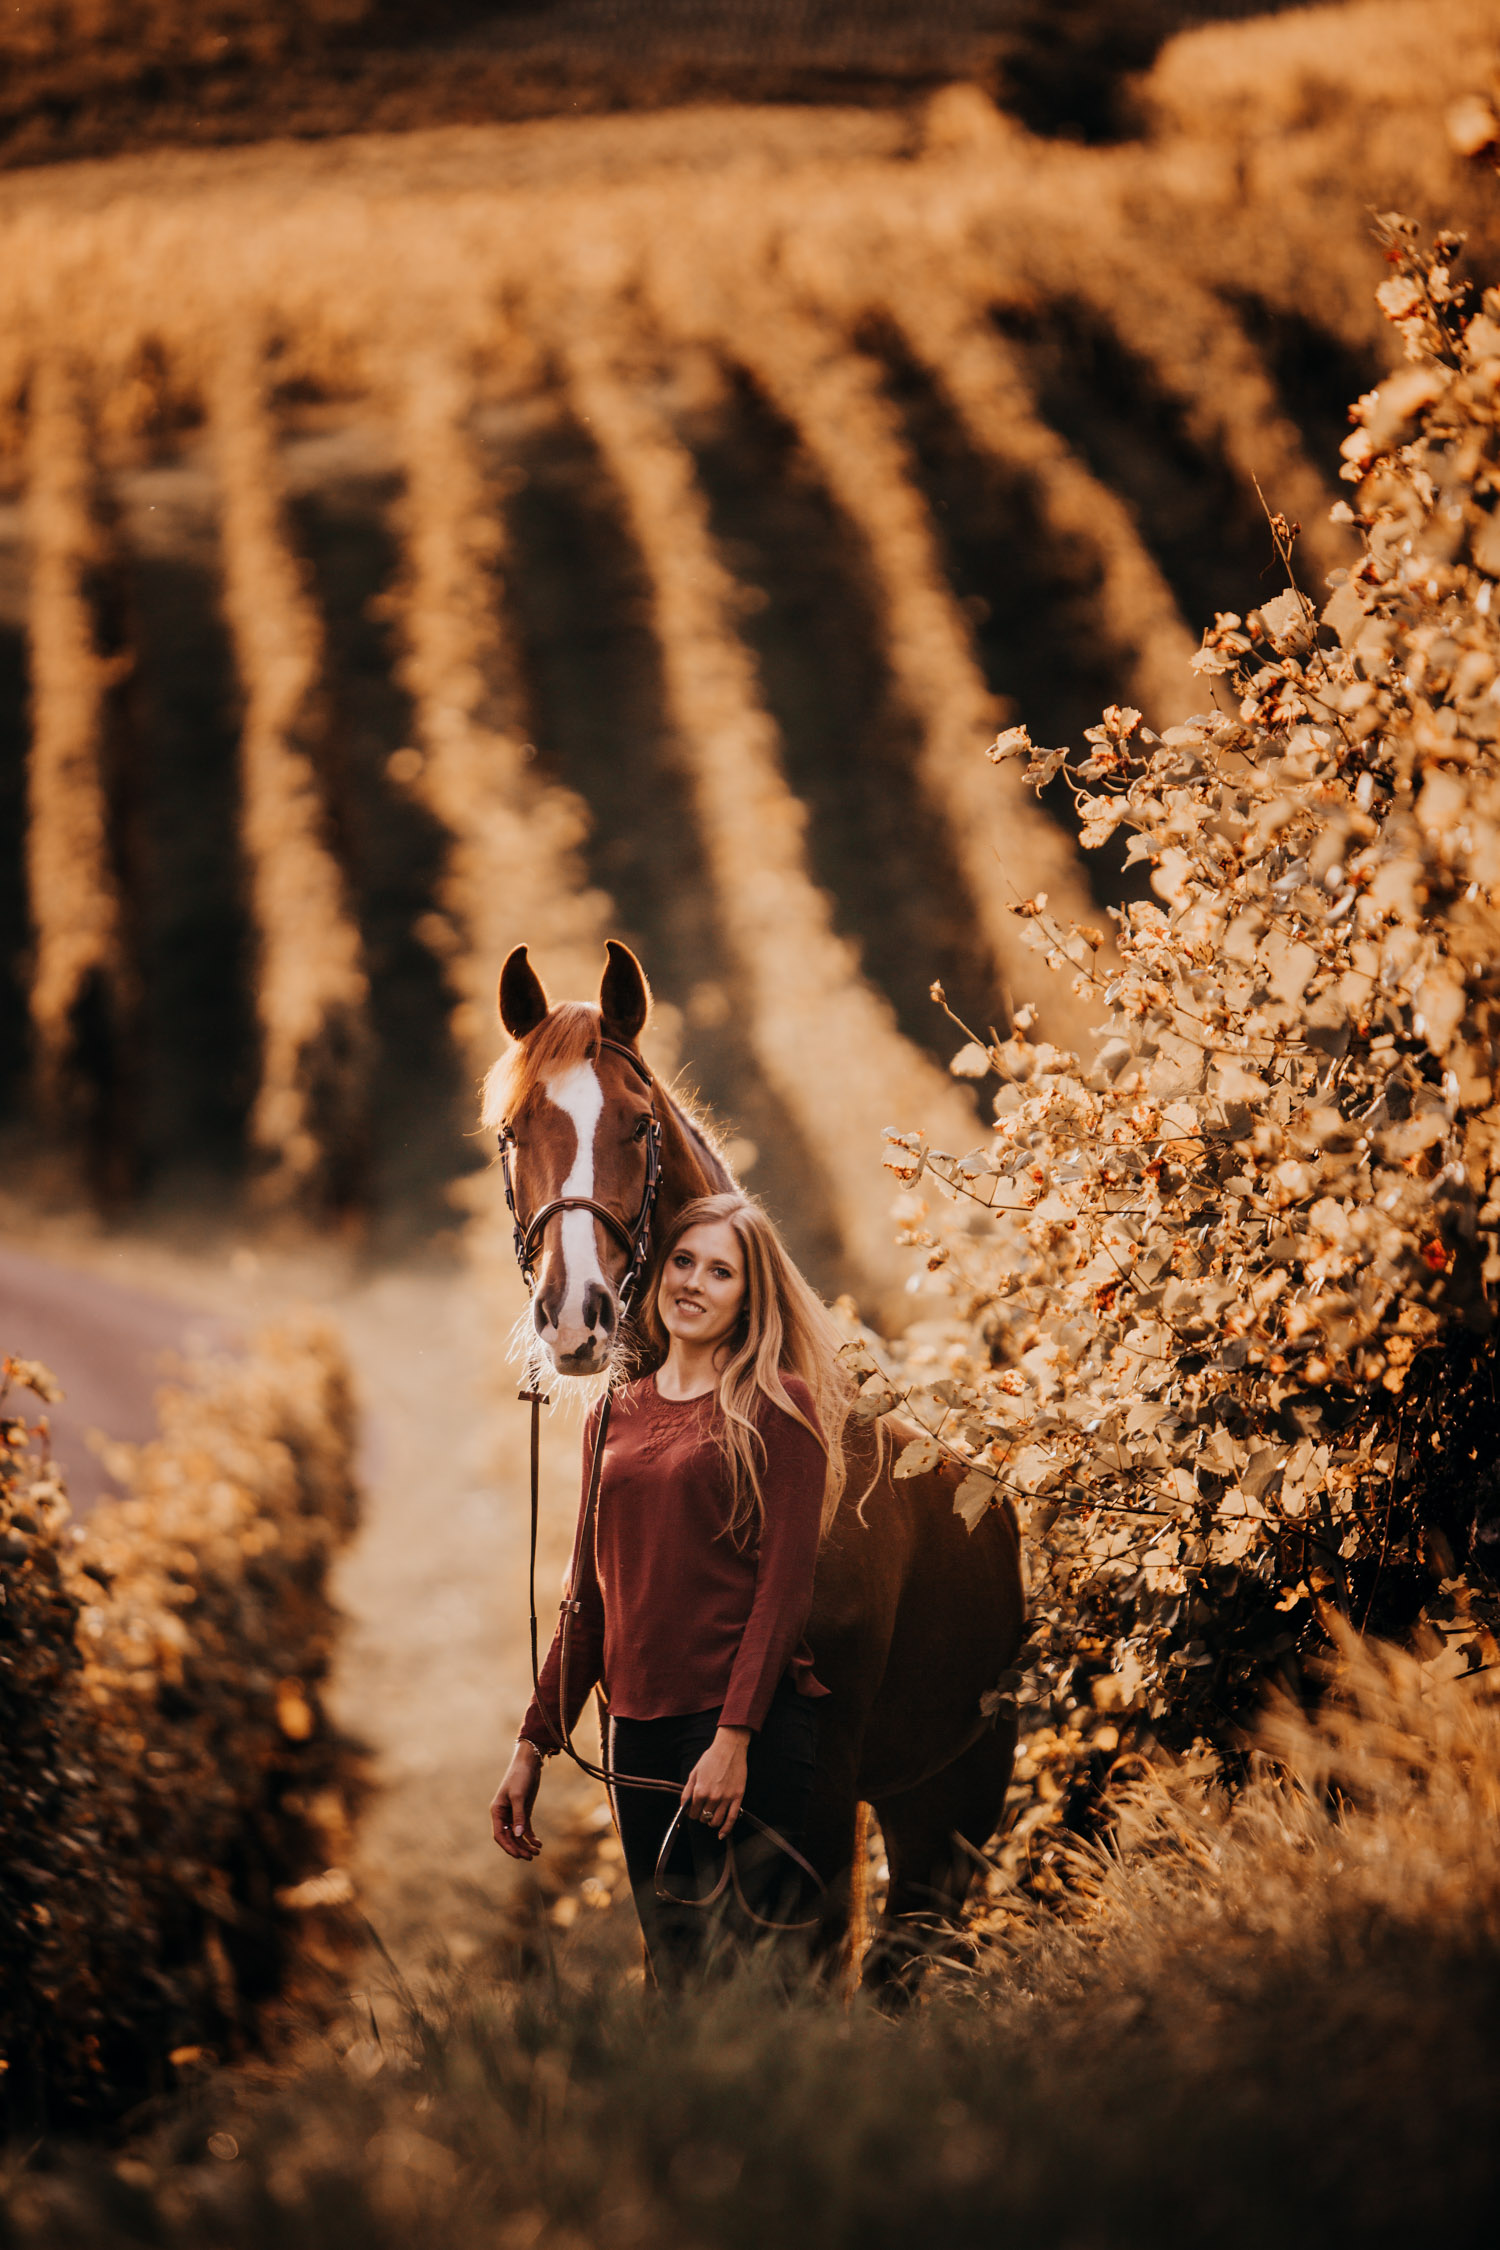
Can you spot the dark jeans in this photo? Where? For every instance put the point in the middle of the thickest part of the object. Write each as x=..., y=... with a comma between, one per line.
x=681, y=1938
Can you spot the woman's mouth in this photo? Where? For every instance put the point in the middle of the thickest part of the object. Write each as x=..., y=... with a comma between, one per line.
x=687, y=1305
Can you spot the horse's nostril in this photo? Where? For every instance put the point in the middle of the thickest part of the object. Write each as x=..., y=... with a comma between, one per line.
x=598, y=1308
x=540, y=1316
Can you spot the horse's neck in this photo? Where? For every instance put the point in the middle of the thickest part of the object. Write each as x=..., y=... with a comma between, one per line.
x=684, y=1175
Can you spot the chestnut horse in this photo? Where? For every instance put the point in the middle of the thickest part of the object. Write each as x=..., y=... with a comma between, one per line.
x=914, y=1618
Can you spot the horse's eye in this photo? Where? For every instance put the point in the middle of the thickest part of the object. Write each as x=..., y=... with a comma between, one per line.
x=642, y=1128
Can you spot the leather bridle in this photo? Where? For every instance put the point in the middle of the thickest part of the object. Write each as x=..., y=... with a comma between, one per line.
x=634, y=1239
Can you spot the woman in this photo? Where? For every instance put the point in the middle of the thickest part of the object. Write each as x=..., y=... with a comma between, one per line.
x=722, y=1467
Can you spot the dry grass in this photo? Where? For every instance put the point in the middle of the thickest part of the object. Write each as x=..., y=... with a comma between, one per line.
x=1271, y=2020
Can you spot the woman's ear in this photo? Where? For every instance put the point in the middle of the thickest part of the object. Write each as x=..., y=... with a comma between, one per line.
x=624, y=995
x=523, y=1001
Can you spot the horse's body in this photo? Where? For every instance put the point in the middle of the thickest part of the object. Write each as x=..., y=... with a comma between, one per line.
x=914, y=1617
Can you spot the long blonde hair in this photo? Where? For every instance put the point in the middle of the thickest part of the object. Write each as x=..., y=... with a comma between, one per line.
x=783, y=1328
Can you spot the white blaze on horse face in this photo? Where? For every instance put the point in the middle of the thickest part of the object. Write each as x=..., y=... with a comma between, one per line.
x=578, y=1093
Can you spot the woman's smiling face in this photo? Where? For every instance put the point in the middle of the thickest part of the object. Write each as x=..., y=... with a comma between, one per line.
x=703, y=1284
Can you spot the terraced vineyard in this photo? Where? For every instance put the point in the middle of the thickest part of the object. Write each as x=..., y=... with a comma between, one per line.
x=638, y=525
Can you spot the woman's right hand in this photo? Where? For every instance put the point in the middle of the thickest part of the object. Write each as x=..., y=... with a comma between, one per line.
x=510, y=1808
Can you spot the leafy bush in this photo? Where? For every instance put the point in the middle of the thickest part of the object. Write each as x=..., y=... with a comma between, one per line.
x=1220, y=1298
x=161, y=1749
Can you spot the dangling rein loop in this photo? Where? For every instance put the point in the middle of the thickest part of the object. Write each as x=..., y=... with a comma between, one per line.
x=636, y=1242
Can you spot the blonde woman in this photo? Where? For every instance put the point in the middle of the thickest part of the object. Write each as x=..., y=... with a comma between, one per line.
x=723, y=1464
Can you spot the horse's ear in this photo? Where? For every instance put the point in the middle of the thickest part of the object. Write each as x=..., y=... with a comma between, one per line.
x=523, y=1002
x=624, y=996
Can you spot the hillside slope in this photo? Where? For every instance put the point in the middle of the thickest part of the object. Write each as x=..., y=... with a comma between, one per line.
x=99, y=77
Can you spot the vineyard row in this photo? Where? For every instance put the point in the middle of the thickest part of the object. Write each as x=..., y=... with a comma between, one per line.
x=426, y=305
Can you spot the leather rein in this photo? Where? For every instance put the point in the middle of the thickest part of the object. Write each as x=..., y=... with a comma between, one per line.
x=635, y=1240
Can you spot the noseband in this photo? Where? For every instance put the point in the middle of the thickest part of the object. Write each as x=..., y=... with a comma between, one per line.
x=634, y=1240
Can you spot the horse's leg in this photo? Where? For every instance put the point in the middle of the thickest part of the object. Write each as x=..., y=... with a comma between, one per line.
x=833, y=1843
x=930, y=1870
x=833, y=1832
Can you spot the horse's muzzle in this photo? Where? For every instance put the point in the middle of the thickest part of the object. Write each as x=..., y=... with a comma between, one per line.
x=577, y=1337
x=591, y=1358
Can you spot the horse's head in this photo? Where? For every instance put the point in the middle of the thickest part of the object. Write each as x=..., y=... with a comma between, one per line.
x=573, y=1103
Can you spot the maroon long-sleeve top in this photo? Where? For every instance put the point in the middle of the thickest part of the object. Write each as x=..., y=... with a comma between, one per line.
x=673, y=1615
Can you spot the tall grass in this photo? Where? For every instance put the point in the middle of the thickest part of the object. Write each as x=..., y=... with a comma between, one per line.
x=1272, y=2020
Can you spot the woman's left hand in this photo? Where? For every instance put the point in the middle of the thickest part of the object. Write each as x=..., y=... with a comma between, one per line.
x=715, y=1789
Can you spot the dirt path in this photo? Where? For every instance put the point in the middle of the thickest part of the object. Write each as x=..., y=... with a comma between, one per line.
x=434, y=1669
x=431, y=1671
x=113, y=1341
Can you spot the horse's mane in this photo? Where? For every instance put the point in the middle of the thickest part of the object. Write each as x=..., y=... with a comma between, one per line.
x=569, y=1034
x=702, y=1136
